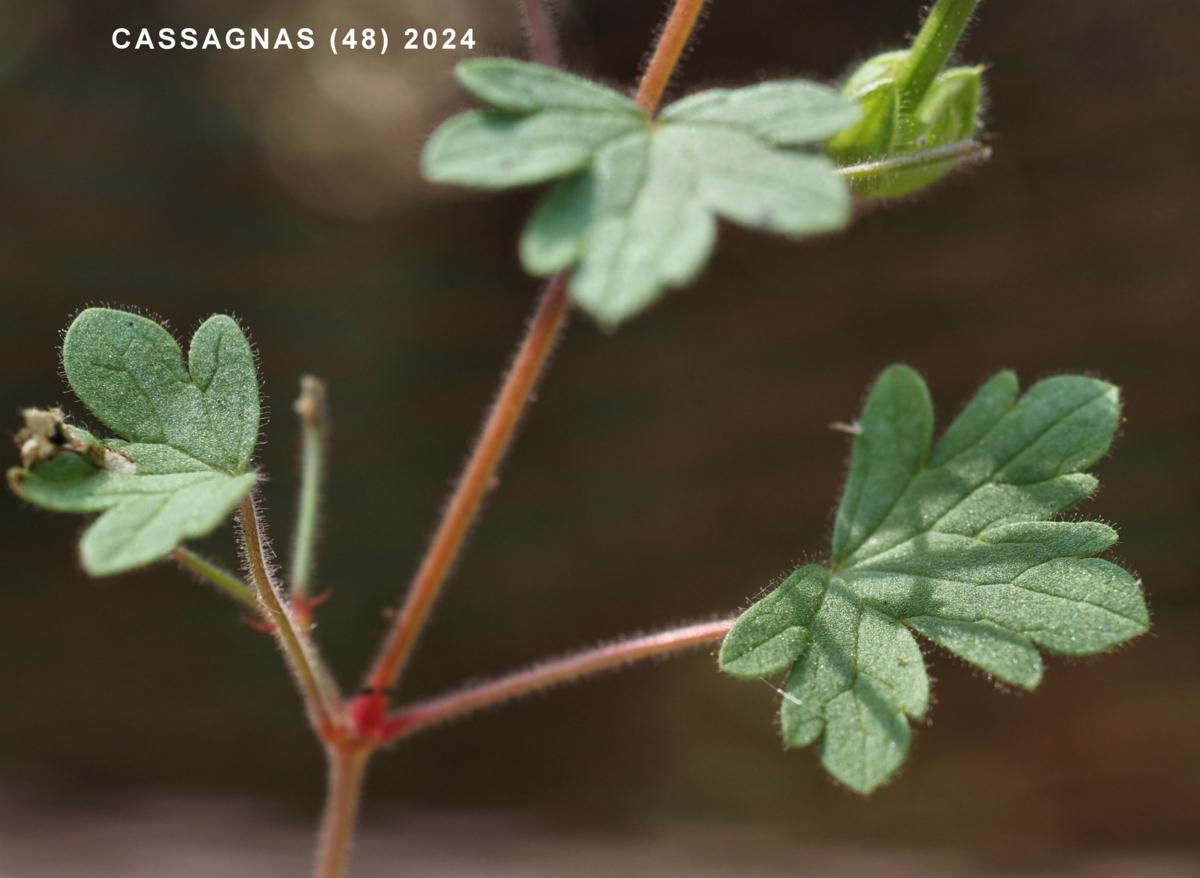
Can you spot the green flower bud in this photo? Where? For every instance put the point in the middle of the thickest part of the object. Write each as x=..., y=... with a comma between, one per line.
x=909, y=106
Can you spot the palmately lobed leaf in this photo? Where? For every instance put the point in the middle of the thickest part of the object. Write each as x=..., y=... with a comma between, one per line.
x=493, y=150
x=786, y=112
x=635, y=210
x=543, y=124
x=955, y=541
x=185, y=436
x=521, y=87
x=772, y=634
x=130, y=374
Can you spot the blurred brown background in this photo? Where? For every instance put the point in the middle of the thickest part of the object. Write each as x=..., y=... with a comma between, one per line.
x=667, y=472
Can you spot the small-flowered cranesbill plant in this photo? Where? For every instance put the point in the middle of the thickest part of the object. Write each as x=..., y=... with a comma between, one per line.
x=957, y=540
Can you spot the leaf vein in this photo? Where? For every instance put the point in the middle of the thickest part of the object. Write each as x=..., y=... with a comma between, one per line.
x=989, y=480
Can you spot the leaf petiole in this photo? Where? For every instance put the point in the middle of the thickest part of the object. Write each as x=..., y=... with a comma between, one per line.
x=422, y=715
x=316, y=685
x=225, y=582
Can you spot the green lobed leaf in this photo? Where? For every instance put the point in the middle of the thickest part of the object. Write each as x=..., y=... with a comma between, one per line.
x=186, y=436
x=545, y=124
x=953, y=541
x=895, y=430
x=792, y=112
x=773, y=633
x=853, y=688
x=643, y=219
x=647, y=230
x=494, y=150
x=635, y=211
x=522, y=87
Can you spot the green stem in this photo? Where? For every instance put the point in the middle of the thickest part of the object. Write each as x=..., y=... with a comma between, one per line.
x=225, y=582
x=933, y=47
x=310, y=406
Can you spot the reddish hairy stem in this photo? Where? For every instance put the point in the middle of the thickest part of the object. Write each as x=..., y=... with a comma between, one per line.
x=367, y=713
x=312, y=679
x=543, y=45
x=675, y=35
x=476, y=480
x=480, y=469
x=347, y=768
x=421, y=715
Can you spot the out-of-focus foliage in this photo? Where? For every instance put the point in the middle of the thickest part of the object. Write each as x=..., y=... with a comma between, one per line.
x=637, y=211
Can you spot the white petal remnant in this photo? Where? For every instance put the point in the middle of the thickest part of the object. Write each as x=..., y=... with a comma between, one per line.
x=186, y=436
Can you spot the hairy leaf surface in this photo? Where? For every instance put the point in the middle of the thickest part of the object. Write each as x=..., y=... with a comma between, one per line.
x=636, y=207
x=955, y=542
x=184, y=436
